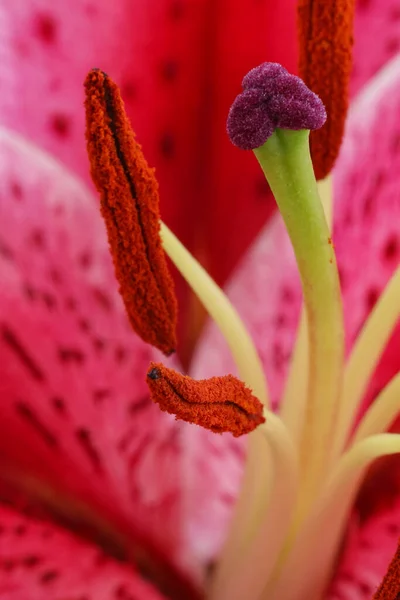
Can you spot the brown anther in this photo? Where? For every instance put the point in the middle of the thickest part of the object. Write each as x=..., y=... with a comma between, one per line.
x=220, y=404
x=325, y=30
x=129, y=205
x=390, y=586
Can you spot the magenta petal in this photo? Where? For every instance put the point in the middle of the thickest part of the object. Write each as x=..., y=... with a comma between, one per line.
x=376, y=36
x=39, y=560
x=75, y=408
x=370, y=546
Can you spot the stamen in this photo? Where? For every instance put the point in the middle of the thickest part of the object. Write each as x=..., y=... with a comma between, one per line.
x=364, y=357
x=390, y=586
x=244, y=574
x=129, y=204
x=325, y=38
x=382, y=412
x=220, y=404
x=311, y=557
x=221, y=310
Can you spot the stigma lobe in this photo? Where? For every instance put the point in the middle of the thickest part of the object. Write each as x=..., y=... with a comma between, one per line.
x=129, y=205
x=272, y=98
x=221, y=404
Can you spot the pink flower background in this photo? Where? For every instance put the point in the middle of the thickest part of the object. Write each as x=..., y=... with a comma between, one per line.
x=86, y=461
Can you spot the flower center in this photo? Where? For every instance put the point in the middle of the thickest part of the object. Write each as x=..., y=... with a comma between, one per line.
x=308, y=461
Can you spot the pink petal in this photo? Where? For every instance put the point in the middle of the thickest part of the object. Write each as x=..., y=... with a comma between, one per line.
x=265, y=288
x=179, y=65
x=370, y=546
x=376, y=36
x=40, y=561
x=75, y=407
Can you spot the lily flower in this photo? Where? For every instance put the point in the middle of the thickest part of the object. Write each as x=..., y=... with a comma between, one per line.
x=81, y=439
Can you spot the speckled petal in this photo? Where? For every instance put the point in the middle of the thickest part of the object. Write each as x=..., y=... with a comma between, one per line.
x=173, y=61
x=72, y=371
x=377, y=20
x=40, y=560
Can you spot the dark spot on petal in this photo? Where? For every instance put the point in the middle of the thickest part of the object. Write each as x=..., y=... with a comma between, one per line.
x=8, y=564
x=84, y=325
x=48, y=577
x=38, y=238
x=102, y=299
x=46, y=28
x=395, y=143
x=288, y=295
x=16, y=190
x=91, y=10
x=393, y=528
x=49, y=300
x=279, y=357
x=371, y=298
x=138, y=405
x=392, y=46
x=121, y=354
x=128, y=90
x=85, y=260
x=5, y=251
x=84, y=438
x=167, y=145
x=100, y=395
x=55, y=275
x=29, y=292
x=30, y=561
x=363, y=4
x=71, y=303
x=30, y=417
x=71, y=355
x=61, y=125
x=177, y=10
x=19, y=351
x=365, y=588
x=99, y=344
x=58, y=404
x=261, y=187
x=391, y=248
x=59, y=210
x=20, y=530
x=169, y=70
x=394, y=14
x=280, y=321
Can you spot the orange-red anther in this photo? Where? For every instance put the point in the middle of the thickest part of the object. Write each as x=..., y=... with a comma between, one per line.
x=220, y=404
x=129, y=205
x=390, y=586
x=325, y=29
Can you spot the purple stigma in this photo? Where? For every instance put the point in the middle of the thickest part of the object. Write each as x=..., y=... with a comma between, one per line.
x=272, y=98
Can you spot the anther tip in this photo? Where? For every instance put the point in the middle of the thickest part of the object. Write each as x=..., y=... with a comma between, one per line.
x=154, y=373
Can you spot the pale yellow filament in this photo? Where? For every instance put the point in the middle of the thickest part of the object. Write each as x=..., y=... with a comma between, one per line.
x=365, y=355
x=382, y=411
x=246, y=574
x=222, y=312
x=307, y=568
